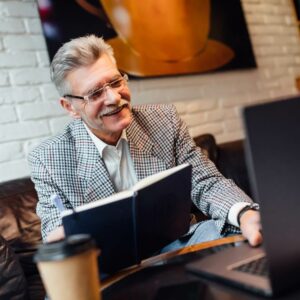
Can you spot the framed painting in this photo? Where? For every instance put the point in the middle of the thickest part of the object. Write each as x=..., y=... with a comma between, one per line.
x=156, y=38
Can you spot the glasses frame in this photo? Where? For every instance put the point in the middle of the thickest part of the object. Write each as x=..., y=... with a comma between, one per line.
x=124, y=78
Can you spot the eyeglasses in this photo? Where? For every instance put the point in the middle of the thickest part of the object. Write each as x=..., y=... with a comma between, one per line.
x=100, y=94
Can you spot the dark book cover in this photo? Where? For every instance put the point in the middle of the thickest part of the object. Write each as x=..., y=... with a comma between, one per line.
x=163, y=212
x=133, y=225
x=113, y=230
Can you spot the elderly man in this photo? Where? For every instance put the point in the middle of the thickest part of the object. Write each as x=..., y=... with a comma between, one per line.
x=110, y=145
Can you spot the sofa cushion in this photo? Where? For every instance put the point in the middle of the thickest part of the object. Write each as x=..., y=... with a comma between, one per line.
x=208, y=145
x=231, y=163
x=228, y=157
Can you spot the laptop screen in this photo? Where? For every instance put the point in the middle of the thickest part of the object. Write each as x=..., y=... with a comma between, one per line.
x=273, y=159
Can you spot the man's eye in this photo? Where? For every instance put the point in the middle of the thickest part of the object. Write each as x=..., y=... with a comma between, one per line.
x=96, y=95
x=116, y=83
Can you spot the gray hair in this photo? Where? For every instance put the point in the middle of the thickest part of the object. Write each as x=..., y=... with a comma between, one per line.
x=79, y=52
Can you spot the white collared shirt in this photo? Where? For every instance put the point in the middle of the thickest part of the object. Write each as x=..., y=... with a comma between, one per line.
x=117, y=160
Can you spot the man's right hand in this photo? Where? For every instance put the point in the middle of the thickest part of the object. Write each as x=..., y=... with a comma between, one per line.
x=56, y=235
x=251, y=227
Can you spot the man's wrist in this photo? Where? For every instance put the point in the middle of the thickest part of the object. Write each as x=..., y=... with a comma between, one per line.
x=234, y=211
x=250, y=206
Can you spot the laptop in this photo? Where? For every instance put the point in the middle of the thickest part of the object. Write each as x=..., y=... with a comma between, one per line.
x=272, y=149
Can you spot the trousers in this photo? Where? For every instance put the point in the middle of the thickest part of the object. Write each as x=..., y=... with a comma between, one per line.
x=202, y=232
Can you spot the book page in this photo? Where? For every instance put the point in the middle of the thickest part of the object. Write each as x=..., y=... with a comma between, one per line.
x=157, y=177
x=113, y=198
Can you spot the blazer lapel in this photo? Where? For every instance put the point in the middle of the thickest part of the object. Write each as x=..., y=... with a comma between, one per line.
x=91, y=168
x=146, y=161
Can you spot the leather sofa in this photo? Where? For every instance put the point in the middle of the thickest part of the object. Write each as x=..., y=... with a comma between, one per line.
x=20, y=226
x=19, y=239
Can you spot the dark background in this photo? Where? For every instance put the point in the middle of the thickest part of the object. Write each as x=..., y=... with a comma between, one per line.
x=227, y=25
x=297, y=7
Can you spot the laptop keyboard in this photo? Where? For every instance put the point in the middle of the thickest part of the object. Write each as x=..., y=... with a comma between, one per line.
x=256, y=267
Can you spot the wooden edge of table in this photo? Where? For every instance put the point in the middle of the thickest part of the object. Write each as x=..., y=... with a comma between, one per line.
x=155, y=259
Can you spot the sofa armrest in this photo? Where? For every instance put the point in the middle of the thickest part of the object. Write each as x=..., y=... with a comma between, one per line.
x=20, y=226
x=13, y=284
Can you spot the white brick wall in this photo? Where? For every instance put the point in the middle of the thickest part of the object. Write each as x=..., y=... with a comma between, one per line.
x=29, y=111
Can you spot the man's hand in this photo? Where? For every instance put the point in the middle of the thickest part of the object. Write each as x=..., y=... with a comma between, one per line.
x=56, y=235
x=251, y=227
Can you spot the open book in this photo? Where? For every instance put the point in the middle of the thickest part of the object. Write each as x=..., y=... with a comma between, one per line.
x=133, y=225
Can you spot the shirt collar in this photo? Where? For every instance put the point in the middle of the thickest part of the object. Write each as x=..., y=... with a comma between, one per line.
x=102, y=145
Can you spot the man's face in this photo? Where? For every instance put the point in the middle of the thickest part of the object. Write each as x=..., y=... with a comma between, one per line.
x=111, y=114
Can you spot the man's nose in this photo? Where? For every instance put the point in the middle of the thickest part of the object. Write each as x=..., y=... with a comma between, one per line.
x=112, y=96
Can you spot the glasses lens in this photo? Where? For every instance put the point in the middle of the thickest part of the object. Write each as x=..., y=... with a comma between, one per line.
x=97, y=95
x=115, y=84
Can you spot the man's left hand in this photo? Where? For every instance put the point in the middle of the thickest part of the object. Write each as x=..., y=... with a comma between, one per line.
x=251, y=227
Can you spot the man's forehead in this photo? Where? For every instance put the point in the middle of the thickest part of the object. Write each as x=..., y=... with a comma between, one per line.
x=86, y=77
x=103, y=65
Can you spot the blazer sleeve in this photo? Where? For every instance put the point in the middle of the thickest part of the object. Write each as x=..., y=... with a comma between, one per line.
x=45, y=187
x=212, y=193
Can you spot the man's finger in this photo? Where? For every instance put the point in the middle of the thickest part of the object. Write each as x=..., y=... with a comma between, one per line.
x=255, y=238
x=56, y=235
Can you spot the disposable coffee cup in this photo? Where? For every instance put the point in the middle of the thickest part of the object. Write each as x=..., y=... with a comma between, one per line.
x=69, y=268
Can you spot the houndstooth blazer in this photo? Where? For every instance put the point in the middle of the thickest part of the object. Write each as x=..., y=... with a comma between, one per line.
x=69, y=165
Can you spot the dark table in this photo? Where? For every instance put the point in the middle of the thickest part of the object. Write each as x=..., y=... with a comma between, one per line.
x=164, y=278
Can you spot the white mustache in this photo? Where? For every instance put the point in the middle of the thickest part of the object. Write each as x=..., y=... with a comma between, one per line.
x=112, y=108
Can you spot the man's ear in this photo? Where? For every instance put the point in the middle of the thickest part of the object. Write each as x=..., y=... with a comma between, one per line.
x=69, y=107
